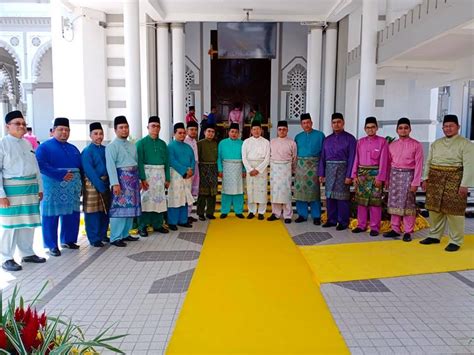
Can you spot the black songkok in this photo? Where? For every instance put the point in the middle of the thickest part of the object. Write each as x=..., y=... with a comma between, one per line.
x=154, y=119
x=234, y=125
x=305, y=116
x=192, y=124
x=61, y=121
x=12, y=115
x=451, y=118
x=119, y=120
x=403, y=120
x=178, y=126
x=371, y=120
x=95, y=125
x=282, y=123
x=192, y=108
x=337, y=116
x=256, y=124
x=211, y=126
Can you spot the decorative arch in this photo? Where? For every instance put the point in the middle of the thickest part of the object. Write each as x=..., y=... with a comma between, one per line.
x=36, y=62
x=13, y=53
x=189, y=82
x=296, y=79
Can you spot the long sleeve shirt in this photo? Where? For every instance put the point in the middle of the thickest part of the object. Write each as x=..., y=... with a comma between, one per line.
x=207, y=151
x=17, y=159
x=31, y=138
x=256, y=149
x=228, y=149
x=181, y=157
x=235, y=116
x=338, y=147
x=372, y=151
x=191, y=117
x=407, y=153
x=309, y=144
x=193, y=144
x=55, y=157
x=454, y=151
x=152, y=152
x=120, y=153
x=94, y=166
x=283, y=149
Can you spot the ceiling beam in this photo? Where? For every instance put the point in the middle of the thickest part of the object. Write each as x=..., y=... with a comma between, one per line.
x=156, y=11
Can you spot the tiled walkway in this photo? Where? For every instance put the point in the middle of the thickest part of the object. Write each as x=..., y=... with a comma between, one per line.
x=139, y=290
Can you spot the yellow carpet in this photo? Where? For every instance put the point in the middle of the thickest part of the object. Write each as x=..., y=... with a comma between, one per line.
x=373, y=260
x=253, y=293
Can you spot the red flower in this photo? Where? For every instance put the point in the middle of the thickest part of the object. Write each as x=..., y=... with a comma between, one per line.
x=19, y=314
x=42, y=320
x=3, y=339
x=29, y=334
x=28, y=315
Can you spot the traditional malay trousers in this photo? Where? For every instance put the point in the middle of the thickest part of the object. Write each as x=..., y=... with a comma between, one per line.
x=229, y=163
x=370, y=164
x=195, y=179
x=206, y=203
x=335, y=165
x=256, y=155
x=450, y=164
x=122, y=167
x=20, y=182
x=307, y=187
x=153, y=166
x=282, y=164
x=61, y=198
x=181, y=158
x=96, y=193
x=406, y=167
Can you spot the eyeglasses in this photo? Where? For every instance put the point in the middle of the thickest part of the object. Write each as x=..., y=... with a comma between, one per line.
x=18, y=124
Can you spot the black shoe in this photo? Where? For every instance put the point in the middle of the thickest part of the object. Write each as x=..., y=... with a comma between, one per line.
x=119, y=243
x=191, y=219
x=130, y=239
x=317, y=221
x=33, y=259
x=143, y=233
x=272, y=218
x=185, y=225
x=162, y=230
x=105, y=240
x=261, y=217
x=328, y=225
x=210, y=216
x=223, y=215
x=287, y=220
x=250, y=215
x=201, y=217
x=54, y=252
x=429, y=240
x=11, y=265
x=407, y=237
x=340, y=227
x=391, y=234
x=70, y=246
x=98, y=244
x=172, y=227
x=240, y=215
x=452, y=247
x=374, y=233
x=300, y=219
x=358, y=230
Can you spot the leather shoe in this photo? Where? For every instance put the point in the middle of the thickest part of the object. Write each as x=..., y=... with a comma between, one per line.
x=374, y=233
x=210, y=216
x=272, y=218
x=250, y=215
x=119, y=243
x=358, y=230
x=240, y=215
x=391, y=234
x=287, y=220
x=300, y=219
x=33, y=259
x=11, y=265
x=317, y=221
x=191, y=219
x=143, y=233
x=261, y=217
x=105, y=240
x=429, y=240
x=201, y=217
x=452, y=247
x=328, y=225
x=172, y=227
x=340, y=227
x=223, y=215
x=185, y=225
x=407, y=237
x=131, y=239
x=54, y=252
x=162, y=230
x=98, y=244
x=70, y=246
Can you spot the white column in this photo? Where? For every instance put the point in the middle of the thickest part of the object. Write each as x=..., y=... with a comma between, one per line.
x=314, y=82
x=329, y=77
x=29, y=87
x=177, y=36
x=308, y=73
x=389, y=18
x=131, y=29
x=163, y=70
x=368, y=66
